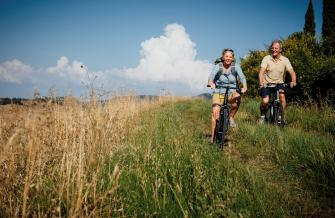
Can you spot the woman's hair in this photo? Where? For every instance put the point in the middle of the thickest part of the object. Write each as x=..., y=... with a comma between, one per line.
x=228, y=49
x=218, y=60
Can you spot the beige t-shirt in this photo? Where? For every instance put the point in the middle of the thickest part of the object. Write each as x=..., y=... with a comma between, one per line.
x=275, y=71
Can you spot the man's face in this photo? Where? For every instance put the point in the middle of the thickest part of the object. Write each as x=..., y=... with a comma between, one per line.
x=275, y=49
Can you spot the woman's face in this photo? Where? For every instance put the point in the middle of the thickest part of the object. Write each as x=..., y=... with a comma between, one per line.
x=228, y=57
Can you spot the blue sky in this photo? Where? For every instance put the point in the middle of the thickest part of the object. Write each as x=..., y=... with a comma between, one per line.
x=145, y=46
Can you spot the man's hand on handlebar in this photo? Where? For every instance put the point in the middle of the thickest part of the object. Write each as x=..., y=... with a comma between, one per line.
x=292, y=84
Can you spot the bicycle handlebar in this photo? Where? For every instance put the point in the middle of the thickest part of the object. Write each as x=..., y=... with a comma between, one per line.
x=277, y=85
x=223, y=87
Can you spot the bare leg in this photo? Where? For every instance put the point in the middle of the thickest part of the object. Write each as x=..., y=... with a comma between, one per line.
x=283, y=100
x=215, y=116
x=234, y=104
x=264, y=104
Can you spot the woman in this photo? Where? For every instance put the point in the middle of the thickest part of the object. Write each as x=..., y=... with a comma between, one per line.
x=225, y=72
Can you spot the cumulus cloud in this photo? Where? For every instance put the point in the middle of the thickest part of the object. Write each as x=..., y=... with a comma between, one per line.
x=74, y=71
x=171, y=57
x=167, y=62
x=14, y=71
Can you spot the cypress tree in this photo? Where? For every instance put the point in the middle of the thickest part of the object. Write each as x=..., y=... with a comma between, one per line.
x=309, y=26
x=328, y=27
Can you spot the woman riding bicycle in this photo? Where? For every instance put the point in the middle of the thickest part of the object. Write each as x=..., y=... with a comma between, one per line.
x=225, y=72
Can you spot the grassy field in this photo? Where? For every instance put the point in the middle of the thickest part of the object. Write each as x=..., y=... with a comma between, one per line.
x=133, y=157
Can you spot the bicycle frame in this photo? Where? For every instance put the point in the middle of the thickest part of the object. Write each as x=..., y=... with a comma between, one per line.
x=274, y=113
x=221, y=127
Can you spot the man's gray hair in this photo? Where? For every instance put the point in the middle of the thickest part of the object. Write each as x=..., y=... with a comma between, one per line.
x=279, y=42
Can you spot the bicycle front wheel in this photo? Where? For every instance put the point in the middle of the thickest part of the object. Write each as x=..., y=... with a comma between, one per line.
x=222, y=127
x=269, y=118
x=225, y=124
x=279, y=115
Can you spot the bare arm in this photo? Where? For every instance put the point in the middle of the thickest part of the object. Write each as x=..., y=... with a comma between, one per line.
x=293, y=78
x=261, y=77
x=244, y=87
x=211, y=84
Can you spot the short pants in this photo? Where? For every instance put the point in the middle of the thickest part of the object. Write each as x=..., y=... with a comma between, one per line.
x=218, y=98
x=265, y=91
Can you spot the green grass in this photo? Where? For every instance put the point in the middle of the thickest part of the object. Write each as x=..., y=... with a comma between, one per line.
x=301, y=154
x=168, y=167
x=165, y=166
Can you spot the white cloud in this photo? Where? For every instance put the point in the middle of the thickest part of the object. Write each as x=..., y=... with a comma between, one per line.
x=171, y=58
x=74, y=71
x=167, y=62
x=14, y=71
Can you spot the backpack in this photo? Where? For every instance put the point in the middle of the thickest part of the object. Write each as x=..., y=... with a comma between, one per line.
x=220, y=72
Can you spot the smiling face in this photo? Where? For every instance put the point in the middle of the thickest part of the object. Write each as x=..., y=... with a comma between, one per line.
x=228, y=57
x=276, y=49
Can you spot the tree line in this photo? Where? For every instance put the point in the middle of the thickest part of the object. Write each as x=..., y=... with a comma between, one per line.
x=313, y=59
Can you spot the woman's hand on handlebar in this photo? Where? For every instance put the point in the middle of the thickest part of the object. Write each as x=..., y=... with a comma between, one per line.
x=211, y=85
x=244, y=88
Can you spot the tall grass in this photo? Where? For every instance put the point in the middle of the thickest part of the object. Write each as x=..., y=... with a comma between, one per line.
x=52, y=156
x=174, y=172
x=129, y=157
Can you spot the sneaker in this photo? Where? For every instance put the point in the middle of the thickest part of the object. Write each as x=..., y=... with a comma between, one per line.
x=232, y=122
x=261, y=120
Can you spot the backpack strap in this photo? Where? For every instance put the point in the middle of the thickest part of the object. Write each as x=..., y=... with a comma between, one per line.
x=219, y=73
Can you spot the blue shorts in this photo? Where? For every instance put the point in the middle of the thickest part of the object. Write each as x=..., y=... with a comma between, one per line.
x=265, y=91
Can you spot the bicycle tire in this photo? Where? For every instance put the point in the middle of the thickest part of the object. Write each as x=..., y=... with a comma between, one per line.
x=279, y=115
x=225, y=126
x=269, y=118
x=216, y=129
x=221, y=128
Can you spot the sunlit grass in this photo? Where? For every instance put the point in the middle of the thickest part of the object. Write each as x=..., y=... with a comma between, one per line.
x=131, y=157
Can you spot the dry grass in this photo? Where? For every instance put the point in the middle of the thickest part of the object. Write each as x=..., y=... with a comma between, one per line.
x=52, y=156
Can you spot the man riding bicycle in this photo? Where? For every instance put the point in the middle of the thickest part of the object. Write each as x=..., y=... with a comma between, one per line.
x=225, y=71
x=273, y=69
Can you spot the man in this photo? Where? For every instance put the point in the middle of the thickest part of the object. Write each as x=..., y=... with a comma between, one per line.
x=273, y=69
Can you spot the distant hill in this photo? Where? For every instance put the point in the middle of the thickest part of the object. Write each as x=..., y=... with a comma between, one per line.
x=205, y=95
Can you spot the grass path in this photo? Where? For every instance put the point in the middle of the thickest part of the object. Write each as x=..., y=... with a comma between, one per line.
x=265, y=150
x=262, y=174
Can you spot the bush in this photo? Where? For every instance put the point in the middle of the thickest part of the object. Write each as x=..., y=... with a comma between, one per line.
x=251, y=65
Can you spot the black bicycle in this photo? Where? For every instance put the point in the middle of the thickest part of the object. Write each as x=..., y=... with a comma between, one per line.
x=222, y=124
x=274, y=112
